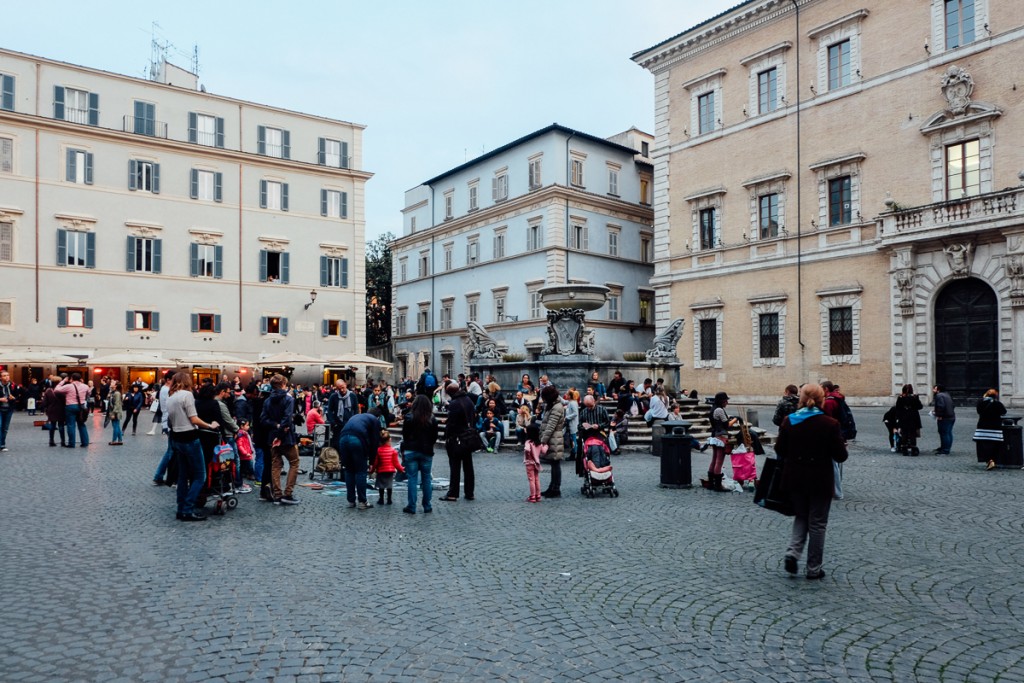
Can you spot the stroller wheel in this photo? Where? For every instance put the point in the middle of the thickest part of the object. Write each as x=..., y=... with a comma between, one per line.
x=583, y=490
x=615, y=493
x=232, y=503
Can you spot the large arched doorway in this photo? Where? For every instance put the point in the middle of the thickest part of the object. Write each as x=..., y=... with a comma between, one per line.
x=967, y=339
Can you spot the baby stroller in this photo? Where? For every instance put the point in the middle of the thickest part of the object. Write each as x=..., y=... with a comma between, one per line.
x=597, y=469
x=326, y=460
x=220, y=480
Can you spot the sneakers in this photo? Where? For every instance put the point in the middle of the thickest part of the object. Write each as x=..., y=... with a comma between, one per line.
x=244, y=488
x=791, y=564
x=286, y=500
x=192, y=517
x=490, y=450
x=892, y=450
x=408, y=510
x=365, y=505
x=814, y=576
x=4, y=449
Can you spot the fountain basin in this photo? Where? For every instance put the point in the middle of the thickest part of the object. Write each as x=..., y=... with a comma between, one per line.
x=582, y=296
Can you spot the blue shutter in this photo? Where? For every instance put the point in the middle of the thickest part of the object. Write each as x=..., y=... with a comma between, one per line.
x=285, y=269
x=324, y=275
x=325, y=327
x=70, y=175
x=263, y=194
x=129, y=320
x=216, y=323
x=286, y=144
x=261, y=139
x=156, y=178
x=130, y=263
x=218, y=186
x=344, y=273
x=140, y=118
x=195, y=322
x=284, y=327
x=344, y=155
x=58, y=102
x=62, y=317
x=220, y=132
x=193, y=124
x=284, y=196
x=133, y=171
x=88, y=168
x=263, y=265
x=62, y=247
x=263, y=325
x=90, y=250
x=193, y=185
x=154, y=321
x=7, y=93
x=158, y=259
x=321, y=153
x=218, y=262
x=344, y=328
x=323, y=202
x=88, y=318
x=193, y=257
x=344, y=204
x=94, y=109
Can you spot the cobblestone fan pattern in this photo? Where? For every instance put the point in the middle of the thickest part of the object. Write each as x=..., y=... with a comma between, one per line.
x=101, y=583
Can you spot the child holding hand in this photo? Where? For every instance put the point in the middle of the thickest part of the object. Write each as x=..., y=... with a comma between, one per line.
x=532, y=452
x=386, y=464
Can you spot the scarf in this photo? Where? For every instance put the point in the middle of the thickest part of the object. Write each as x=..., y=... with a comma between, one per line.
x=802, y=414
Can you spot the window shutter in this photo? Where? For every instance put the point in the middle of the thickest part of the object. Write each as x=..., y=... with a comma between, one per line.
x=70, y=174
x=218, y=262
x=344, y=155
x=129, y=320
x=195, y=322
x=90, y=250
x=193, y=125
x=58, y=102
x=261, y=139
x=193, y=191
x=263, y=194
x=88, y=168
x=263, y=265
x=62, y=316
x=344, y=273
x=130, y=262
x=324, y=263
x=218, y=186
x=216, y=323
x=7, y=96
x=586, y=239
x=344, y=204
x=494, y=189
x=284, y=327
x=285, y=269
x=323, y=202
x=284, y=196
x=154, y=321
x=286, y=144
x=263, y=325
x=325, y=327
x=219, y=135
x=344, y=328
x=193, y=260
x=321, y=153
x=158, y=257
x=133, y=171
x=94, y=109
x=62, y=247
x=156, y=178
x=88, y=318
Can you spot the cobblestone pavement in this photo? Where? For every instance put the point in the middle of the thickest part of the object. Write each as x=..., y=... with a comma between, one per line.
x=100, y=582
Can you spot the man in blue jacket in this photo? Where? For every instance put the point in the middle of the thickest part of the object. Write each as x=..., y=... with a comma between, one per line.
x=360, y=438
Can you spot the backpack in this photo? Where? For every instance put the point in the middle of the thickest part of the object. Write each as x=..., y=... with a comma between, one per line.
x=430, y=381
x=329, y=461
x=847, y=425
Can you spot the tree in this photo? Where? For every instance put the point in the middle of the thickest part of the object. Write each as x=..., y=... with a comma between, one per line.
x=378, y=290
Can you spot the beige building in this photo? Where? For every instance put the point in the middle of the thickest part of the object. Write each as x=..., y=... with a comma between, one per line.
x=838, y=195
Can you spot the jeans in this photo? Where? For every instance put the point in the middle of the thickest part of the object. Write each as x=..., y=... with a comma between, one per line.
x=460, y=463
x=71, y=412
x=118, y=434
x=492, y=440
x=945, y=425
x=191, y=468
x=161, y=469
x=59, y=428
x=417, y=467
x=810, y=522
x=355, y=462
x=5, y=424
x=258, y=464
x=132, y=417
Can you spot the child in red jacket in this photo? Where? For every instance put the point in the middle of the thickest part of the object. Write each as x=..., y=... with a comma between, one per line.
x=387, y=463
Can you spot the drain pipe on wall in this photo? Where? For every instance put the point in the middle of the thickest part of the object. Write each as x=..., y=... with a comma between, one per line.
x=799, y=212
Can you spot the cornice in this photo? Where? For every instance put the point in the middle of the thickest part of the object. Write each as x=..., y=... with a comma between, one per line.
x=845, y=159
x=717, y=73
x=836, y=23
x=767, y=52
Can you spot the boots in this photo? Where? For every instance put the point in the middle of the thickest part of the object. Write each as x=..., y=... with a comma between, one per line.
x=389, y=497
x=715, y=482
x=380, y=501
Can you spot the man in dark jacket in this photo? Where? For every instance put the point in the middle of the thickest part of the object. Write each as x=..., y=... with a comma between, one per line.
x=278, y=419
x=357, y=443
x=945, y=418
x=341, y=406
x=786, y=406
x=461, y=420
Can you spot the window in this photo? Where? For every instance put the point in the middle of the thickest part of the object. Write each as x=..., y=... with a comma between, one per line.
x=709, y=340
x=499, y=306
x=206, y=260
x=840, y=331
x=535, y=303
x=768, y=215
x=424, y=264
x=645, y=187
x=446, y=316
x=472, y=308
x=6, y=313
x=76, y=249
x=449, y=205
x=143, y=255
x=959, y=23
x=403, y=269
x=6, y=92
x=645, y=308
x=79, y=167
x=535, y=173
x=645, y=249
x=274, y=266
x=423, y=320
x=333, y=272
x=274, y=325
x=142, y=320
x=207, y=186
x=613, y=181
x=768, y=335
x=613, y=306
x=499, y=187
x=472, y=252
x=273, y=195
x=708, y=239
x=334, y=203
x=448, y=249
x=333, y=153
x=334, y=328
x=645, y=149
x=273, y=142
x=412, y=224
x=963, y=163
x=579, y=237
x=839, y=204
x=839, y=65
x=76, y=106
x=6, y=155
x=499, y=244
x=75, y=317
x=613, y=241
x=576, y=172
x=144, y=121
x=706, y=112
x=144, y=176
x=474, y=197
x=767, y=91
x=534, y=237
x=401, y=322
x=6, y=242
x=204, y=129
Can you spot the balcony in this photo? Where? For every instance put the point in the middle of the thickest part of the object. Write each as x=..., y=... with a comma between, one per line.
x=140, y=126
x=990, y=210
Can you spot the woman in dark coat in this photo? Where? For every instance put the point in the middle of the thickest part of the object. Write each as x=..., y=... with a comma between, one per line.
x=809, y=441
x=908, y=419
x=53, y=406
x=552, y=429
x=989, y=433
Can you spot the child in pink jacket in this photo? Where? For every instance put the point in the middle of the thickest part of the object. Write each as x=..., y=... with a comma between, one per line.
x=532, y=452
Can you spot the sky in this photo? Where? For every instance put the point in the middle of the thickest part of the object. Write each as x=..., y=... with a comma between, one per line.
x=436, y=83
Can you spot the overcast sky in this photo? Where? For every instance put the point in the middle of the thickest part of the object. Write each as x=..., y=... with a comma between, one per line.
x=436, y=83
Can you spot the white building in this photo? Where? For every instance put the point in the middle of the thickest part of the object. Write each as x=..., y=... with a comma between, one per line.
x=154, y=216
x=481, y=239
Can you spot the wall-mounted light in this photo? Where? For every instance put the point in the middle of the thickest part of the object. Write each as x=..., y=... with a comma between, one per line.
x=813, y=91
x=312, y=299
x=744, y=112
x=926, y=47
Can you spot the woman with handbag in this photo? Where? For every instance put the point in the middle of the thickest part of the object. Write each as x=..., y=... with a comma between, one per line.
x=419, y=434
x=809, y=442
x=720, y=424
x=988, y=435
x=552, y=427
x=115, y=412
x=461, y=439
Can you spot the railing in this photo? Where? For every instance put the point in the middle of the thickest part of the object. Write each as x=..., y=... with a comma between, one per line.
x=140, y=126
x=1005, y=204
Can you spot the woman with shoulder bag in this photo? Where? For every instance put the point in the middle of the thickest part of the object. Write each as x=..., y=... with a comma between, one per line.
x=988, y=435
x=720, y=445
x=115, y=412
x=552, y=427
x=461, y=439
x=419, y=434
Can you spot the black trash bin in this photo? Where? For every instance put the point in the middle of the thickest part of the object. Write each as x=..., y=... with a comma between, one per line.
x=1012, y=453
x=675, y=458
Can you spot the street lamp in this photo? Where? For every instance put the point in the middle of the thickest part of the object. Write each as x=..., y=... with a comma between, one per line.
x=312, y=298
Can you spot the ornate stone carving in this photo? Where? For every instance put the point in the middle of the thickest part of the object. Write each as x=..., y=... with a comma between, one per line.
x=482, y=345
x=567, y=333
x=1015, y=271
x=665, y=343
x=957, y=86
x=959, y=257
x=905, y=281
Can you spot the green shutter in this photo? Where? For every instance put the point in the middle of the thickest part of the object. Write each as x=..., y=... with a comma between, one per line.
x=284, y=327
x=263, y=325
x=130, y=263
x=158, y=259
x=321, y=154
x=218, y=186
x=284, y=196
x=193, y=125
x=344, y=155
x=94, y=109
x=285, y=267
x=88, y=318
x=263, y=265
x=156, y=178
x=88, y=168
x=216, y=323
x=261, y=139
x=263, y=194
x=343, y=325
x=195, y=322
x=344, y=273
x=133, y=172
x=286, y=144
x=154, y=321
x=129, y=320
x=90, y=250
x=344, y=204
x=7, y=93
x=218, y=262
x=62, y=317
x=193, y=184
x=323, y=202
x=58, y=102
x=324, y=273
x=62, y=247
x=325, y=328
x=70, y=170
x=193, y=257
x=220, y=132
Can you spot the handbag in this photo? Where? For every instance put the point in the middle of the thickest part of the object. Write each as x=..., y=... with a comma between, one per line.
x=768, y=493
x=469, y=440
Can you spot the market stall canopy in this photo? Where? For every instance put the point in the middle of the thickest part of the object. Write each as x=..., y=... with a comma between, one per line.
x=287, y=358
x=26, y=357
x=213, y=358
x=133, y=359
x=357, y=359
